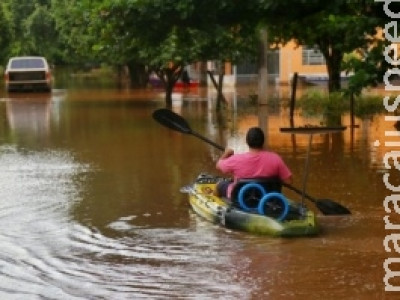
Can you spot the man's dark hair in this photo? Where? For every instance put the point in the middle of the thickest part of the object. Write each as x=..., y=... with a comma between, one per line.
x=255, y=138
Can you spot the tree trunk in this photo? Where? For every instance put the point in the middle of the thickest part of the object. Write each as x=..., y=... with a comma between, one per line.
x=333, y=64
x=138, y=74
x=220, y=95
x=169, y=87
x=203, y=74
x=263, y=70
x=219, y=85
x=168, y=94
x=169, y=76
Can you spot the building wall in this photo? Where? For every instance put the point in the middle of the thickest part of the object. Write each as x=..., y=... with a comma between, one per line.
x=282, y=65
x=291, y=61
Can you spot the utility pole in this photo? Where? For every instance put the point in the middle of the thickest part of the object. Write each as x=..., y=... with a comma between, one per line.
x=263, y=86
x=263, y=70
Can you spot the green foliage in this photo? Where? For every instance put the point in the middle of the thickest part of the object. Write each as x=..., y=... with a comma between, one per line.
x=367, y=66
x=31, y=29
x=368, y=105
x=166, y=35
x=335, y=27
x=40, y=33
x=177, y=31
x=73, y=22
x=320, y=103
x=316, y=103
x=5, y=32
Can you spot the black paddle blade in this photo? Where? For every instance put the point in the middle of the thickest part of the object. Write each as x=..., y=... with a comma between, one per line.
x=326, y=206
x=329, y=207
x=171, y=120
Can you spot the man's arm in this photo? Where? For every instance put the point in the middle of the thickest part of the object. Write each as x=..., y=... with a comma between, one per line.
x=227, y=153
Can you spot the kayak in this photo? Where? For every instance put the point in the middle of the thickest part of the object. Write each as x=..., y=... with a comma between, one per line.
x=253, y=209
x=289, y=210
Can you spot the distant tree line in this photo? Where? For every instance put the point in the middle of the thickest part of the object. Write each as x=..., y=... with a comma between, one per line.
x=163, y=36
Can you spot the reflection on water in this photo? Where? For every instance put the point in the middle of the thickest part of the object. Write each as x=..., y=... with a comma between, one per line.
x=46, y=254
x=90, y=205
x=37, y=191
x=29, y=116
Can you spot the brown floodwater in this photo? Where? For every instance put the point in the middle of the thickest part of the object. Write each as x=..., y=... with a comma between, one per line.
x=90, y=206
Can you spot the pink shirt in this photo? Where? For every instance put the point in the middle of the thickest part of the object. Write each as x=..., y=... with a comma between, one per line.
x=253, y=164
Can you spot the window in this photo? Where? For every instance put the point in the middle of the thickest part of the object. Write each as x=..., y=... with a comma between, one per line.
x=27, y=63
x=312, y=56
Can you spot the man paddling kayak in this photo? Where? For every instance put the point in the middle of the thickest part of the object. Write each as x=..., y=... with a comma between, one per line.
x=255, y=163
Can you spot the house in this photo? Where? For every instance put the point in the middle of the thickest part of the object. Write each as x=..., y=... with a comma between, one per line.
x=308, y=62
x=282, y=63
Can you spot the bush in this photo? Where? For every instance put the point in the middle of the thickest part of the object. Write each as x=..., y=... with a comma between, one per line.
x=320, y=103
x=368, y=105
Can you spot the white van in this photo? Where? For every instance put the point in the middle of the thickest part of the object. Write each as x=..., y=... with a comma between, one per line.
x=28, y=73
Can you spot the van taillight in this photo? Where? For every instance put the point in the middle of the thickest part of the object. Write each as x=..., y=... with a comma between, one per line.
x=6, y=77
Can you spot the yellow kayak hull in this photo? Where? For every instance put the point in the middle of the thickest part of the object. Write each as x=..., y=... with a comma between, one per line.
x=216, y=210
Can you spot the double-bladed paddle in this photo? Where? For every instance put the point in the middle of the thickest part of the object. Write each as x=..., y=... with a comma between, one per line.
x=176, y=122
x=326, y=206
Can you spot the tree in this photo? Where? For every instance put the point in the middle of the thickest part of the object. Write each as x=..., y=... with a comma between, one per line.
x=31, y=28
x=5, y=33
x=368, y=63
x=368, y=66
x=40, y=33
x=232, y=37
x=335, y=27
x=163, y=36
x=72, y=22
x=17, y=12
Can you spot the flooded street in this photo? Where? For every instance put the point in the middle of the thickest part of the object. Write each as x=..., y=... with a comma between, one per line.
x=90, y=206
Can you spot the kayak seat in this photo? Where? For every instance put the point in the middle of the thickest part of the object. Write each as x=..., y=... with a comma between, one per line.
x=263, y=196
x=247, y=192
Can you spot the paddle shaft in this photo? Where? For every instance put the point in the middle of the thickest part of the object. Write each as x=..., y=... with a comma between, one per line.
x=306, y=167
x=289, y=186
x=207, y=140
x=176, y=122
x=294, y=189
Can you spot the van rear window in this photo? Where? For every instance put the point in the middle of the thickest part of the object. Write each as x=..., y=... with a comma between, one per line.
x=31, y=63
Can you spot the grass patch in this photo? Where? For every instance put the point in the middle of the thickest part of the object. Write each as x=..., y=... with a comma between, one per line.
x=316, y=103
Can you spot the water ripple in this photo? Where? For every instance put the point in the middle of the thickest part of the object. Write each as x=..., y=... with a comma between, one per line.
x=46, y=254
